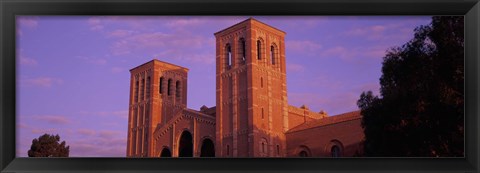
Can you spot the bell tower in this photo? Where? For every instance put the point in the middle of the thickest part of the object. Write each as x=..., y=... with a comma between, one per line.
x=251, y=93
x=158, y=91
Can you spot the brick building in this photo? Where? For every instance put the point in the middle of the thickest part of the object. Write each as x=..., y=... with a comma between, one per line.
x=252, y=117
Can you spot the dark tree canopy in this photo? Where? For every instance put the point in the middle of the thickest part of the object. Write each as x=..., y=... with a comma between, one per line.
x=48, y=146
x=421, y=108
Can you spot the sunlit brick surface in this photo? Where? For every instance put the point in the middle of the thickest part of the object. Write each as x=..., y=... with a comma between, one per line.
x=251, y=118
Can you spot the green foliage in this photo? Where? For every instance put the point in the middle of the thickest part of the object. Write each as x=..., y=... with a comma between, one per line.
x=48, y=146
x=421, y=109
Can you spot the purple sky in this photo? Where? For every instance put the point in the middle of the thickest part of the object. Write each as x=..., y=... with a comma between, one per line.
x=73, y=77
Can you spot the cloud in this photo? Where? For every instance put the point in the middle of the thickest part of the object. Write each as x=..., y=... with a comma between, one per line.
x=157, y=40
x=333, y=104
x=293, y=22
x=342, y=102
x=199, y=58
x=337, y=51
x=203, y=58
x=28, y=22
x=95, y=24
x=41, y=81
x=53, y=119
x=22, y=126
x=120, y=33
x=43, y=131
x=99, y=147
x=93, y=60
x=119, y=113
x=182, y=47
x=109, y=134
x=369, y=30
x=302, y=46
x=312, y=100
x=86, y=132
x=19, y=32
x=141, y=42
x=182, y=23
x=116, y=69
x=103, y=143
x=98, y=61
x=291, y=67
x=27, y=61
x=354, y=54
x=394, y=31
x=321, y=82
x=336, y=101
x=138, y=36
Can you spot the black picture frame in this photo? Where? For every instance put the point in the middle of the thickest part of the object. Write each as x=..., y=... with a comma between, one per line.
x=10, y=8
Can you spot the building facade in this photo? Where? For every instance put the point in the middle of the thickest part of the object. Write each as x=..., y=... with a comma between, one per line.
x=252, y=117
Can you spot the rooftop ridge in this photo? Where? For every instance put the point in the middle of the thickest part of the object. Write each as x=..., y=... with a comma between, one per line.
x=339, y=118
x=250, y=18
x=158, y=61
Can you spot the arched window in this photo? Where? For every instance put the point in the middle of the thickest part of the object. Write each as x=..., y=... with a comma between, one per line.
x=304, y=151
x=259, y=49
x=136, y=91
x=161, y=86
x=303, y=154
x=243, y=53
x=145, y=143
x=262, y=113
x=278, y=149
x=140, y=121
x=228, y=55
x=185, y=145
x=148, y=87
x=261, y=82
x=165, y=153
x=142, y=89
x=228, y=150
x=207, y=149
x=272, y=54
x=134, y=132
x=177, y=89
x=335, y=151
x=263, y=147
x=169, y=83
x=335, y=148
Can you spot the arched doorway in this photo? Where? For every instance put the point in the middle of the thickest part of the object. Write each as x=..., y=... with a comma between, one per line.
x=165, y=153
x=208, y=149
x=303, y=154
x=185, y=147
x=335, y=151
x=304, y=151
x=335, y=148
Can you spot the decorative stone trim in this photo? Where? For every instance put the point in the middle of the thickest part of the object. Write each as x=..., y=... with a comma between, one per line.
x=184, y=114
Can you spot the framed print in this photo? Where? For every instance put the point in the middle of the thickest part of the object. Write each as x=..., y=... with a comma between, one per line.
x=150, y=86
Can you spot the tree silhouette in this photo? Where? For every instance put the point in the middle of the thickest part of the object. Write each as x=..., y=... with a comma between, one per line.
x=421, y=108
x=48, y=146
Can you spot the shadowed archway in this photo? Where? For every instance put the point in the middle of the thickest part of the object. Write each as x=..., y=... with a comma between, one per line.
x=185, y=147
x=165, y=153
x=303, y=151
x=208, y=148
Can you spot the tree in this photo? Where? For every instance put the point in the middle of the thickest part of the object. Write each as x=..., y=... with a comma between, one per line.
x=48, y=146
x=421, y=108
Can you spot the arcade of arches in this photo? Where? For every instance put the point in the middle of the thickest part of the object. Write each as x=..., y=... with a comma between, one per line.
x=252, y=117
